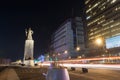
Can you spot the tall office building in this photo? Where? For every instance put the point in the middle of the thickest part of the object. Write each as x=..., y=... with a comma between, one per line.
x=103, y=20
x=67, y=38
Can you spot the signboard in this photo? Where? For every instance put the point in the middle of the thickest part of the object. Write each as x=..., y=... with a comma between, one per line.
x=113, y=42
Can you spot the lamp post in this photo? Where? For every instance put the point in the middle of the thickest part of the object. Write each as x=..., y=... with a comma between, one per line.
x=77, y=50
x=65, y=51
x=65, y=54
x=58, y=56
x=101, y=43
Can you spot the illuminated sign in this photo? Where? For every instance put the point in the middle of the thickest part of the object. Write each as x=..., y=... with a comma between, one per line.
x=113, y=42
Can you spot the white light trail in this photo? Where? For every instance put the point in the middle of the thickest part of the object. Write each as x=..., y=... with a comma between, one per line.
x=79, y=64
x=108, y=66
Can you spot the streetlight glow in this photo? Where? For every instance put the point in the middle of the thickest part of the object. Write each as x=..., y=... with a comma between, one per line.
x=66, y=52
x=78, y=48
x=99, y=41
x=58, y=54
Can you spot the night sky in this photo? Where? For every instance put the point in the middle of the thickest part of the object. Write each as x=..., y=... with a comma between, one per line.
x=43, y=16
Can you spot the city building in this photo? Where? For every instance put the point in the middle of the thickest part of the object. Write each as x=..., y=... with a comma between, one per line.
x=67, y=38
x=4, y=61
x=103, y=21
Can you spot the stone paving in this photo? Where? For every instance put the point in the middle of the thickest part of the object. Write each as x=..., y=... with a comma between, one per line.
x=18, y=73
x=23, y=74
x=31, y=73
x=8, y=74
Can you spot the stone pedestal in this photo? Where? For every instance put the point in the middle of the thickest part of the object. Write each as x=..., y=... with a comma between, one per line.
x=29, y=62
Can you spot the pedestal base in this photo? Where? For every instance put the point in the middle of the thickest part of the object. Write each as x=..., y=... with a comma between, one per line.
x=29, y=62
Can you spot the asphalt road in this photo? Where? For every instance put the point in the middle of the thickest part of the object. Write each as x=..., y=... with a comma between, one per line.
x=36, y=74
x=95, y=74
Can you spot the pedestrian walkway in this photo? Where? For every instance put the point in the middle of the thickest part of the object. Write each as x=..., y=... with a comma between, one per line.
x=31, y=73
x=8, y=74
x=21, y=73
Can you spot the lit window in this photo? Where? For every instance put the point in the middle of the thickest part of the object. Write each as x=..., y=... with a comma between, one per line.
x=101, y=21
x=91, y=38
x=116, y=24
x=108, y=23
x=91, y=33
x=89, y=5
x=118, y=8
x=108, y=0
x=106, y=28
x=97, y=19
x=65, y=51
x=113, y=1
x=103, y=8
x=116, y=34
x=87, y=1
x=92, y=7
x=88, y=17
x=94, y=13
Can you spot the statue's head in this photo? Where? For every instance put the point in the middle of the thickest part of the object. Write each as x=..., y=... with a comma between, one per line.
x=29, y=28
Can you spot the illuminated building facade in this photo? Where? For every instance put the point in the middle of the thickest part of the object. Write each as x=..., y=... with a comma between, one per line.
x=67, y=37
x=103, y=19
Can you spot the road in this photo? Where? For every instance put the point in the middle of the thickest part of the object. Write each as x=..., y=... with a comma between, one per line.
x=95, y=74
x=36, y=74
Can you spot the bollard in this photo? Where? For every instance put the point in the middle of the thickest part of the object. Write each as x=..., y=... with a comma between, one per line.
x=57, y=74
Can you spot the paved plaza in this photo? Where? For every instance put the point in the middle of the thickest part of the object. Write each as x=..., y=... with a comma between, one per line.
x=18, y=73
x=23, y=73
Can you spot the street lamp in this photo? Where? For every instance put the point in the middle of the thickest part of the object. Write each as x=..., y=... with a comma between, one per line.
x=78, y=48
x=65, y=54
x=65, y=51
x=77, y=52
x=99, y=41
x=58, y=55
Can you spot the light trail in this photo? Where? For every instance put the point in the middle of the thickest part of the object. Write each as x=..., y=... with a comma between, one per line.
x=108, y=66
x=88, y=59
x=85, y=60
x=92, y=65
x=83, y=63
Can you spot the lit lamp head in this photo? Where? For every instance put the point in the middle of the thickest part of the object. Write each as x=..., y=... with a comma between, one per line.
x=58, y=54
x=78, y=48
x=53, y=55
x=99, y=41
x=65, y=51
x=48, y=56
